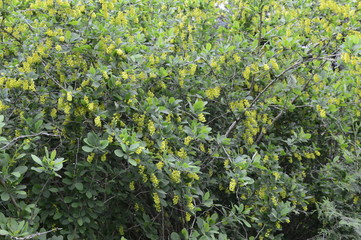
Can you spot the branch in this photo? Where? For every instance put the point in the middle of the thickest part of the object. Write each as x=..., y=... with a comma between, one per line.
x=35, y=234
x=10, y=34
x=11, y=196
x=292, y=101
x=274, y=81
x=27, y=136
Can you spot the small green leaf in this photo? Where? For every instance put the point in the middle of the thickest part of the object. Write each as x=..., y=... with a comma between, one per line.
x=21, y=169
x=80, y=221
x=246, y=223
x=37, y=160
x=53, y=154
x=87, y=149
x=132, y=162
x=208, y=46
x=174, y=236
x=57, y=215
x=118, y=153
x=5, y=196
x=206, y=196
x=21, y=156
x=67, y=35
x=68, y=199
x=104, y=144
x=88, y=194
x=198, y=106
x=79, y=186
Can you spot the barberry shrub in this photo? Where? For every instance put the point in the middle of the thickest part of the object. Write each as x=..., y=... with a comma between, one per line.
x=194, y=119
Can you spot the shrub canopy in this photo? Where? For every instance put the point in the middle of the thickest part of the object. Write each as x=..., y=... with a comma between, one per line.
x=194, y=119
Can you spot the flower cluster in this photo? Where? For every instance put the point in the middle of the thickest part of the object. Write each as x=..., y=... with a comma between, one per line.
x=213, y=93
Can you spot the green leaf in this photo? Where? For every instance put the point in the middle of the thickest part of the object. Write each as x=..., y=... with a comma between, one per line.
x=88, y=194
x=53, y=154
x=246, y=223
x=79, y=186
x=198, y=106
x=67, y=35
x=80, y=221
x=4, y=232
x=87, y=149
x=208, y=47
x=133, y=147
x=37, y=160
x=68, y=199
x=118, y=153
x=132, y=162
x=175, y=236
x=206, y=196
x=21, y=169
x=16, y=174
x=57, y=215
x=5, y=196
x=20, y=156
x=103, y=144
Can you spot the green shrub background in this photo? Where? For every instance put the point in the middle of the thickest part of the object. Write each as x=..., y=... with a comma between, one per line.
x=162, y=119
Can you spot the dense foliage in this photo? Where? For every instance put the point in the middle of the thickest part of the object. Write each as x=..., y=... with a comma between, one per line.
x=194, y=119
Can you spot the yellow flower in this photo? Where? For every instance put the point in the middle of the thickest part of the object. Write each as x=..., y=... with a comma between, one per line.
x=175, y=176
x=237, y=58
x=226, y=163
x=139, y=150
x=121, y=230
x=151, y=128
x=274, y=200
x=201, y=147
x=201, y=117
x=91, y=106
x=188, y=216
x=246, y=73
x=278, y=225
x=163, y=145
x=90, y=157
x=58, y=48
x=187, y=140
x=193, y=176
x=97, y=121
x=154, y=180
x=213, y=93
x=182, y=153
x=156, y=200
x=131, y=186
x=53, y=113
x=274, y=64
x=69, y=96
x=232, y=185
x=175, y=199
x=160, y=165
x=103, y=158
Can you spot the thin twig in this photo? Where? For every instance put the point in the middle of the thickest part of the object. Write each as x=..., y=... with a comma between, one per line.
x=10, y=34
x=35, y=234
x=298, y=63
x=27, y=136
x=11, y=196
